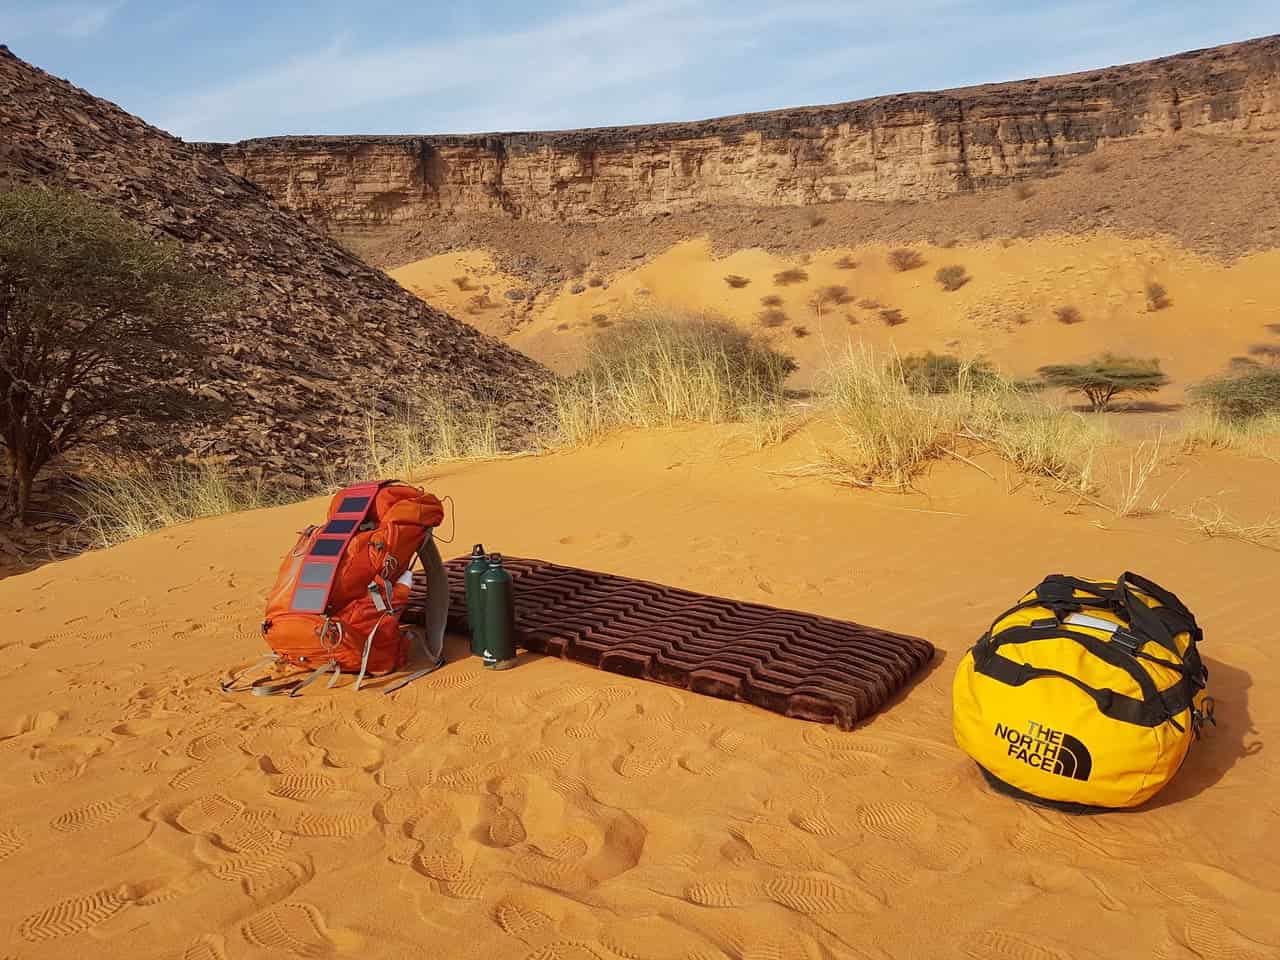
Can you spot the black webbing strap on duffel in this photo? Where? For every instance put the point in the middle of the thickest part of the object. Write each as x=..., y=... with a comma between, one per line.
x=1160, y=625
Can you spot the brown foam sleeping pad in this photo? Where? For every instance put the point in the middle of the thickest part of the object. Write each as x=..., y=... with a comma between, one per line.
x=795, y=664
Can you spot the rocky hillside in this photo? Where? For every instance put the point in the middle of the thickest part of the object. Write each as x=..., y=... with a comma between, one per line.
x=910, y=147
x=317, y=337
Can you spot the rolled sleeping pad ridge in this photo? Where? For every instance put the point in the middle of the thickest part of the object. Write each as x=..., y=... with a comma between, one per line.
x=475, y=569
x=497, y=616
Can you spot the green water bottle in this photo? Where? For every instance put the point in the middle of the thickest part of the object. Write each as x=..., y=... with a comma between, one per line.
x=471, y=585
x=497, y=616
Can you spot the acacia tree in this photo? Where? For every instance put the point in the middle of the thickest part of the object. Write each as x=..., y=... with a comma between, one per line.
x=1104, y=378
x=94, y=316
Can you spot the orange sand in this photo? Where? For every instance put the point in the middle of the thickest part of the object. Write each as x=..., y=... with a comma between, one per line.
x=1006, y=311
x=558, y=812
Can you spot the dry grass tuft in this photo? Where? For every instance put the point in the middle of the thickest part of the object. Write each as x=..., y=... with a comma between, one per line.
x=846, y=263
x=737, y=282
x=772, y=318
x=1067, y=314
x=121, y=502
x=1135, y=474
x=891, y=432
x=427, y=430
x=660, y=369
x=772, y=300
x=1212, y=520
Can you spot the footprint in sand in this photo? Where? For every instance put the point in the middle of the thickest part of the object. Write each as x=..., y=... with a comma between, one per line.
x=207, y=814
x=720, y=893
x=297, y=928
x=342, y=825
x=654, y=938
x=899, y=820
x=302, y=787
x=778, y=846
x=346, y=745
x=74, y=915
x=1206, y=934
x=564, y=950
x=816, y=895
x=642, y=760
x=263, y=877
x=11, y=841
x=92, y=815
x=1002, y=945
x=527, y=916
x=208, y=947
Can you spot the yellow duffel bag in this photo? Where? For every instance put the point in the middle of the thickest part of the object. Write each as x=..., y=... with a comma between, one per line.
x=1087, y=693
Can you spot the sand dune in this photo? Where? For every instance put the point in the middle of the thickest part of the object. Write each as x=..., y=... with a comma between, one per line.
x=553, y=811
x=1006, y=311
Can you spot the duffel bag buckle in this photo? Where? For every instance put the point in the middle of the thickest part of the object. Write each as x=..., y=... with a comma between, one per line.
x=1127, y=641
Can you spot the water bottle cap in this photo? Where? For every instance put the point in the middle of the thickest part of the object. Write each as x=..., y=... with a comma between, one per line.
x=495, y=559
x=478, y=550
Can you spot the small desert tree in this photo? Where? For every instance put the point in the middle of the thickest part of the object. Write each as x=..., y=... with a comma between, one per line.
x=1103, y=379
x=94, y=316
x=1241, y=396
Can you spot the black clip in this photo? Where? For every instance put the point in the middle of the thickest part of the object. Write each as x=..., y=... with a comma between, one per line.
x=1127, y=641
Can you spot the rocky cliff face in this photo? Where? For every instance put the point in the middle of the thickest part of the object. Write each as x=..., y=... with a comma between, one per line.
x=316, y=340
x=910, y=147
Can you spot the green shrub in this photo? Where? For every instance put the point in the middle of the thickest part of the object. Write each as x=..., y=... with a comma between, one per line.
x=1238, y=397
x=937, y=373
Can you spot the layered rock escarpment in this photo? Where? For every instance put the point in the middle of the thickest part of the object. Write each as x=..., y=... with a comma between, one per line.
x=910, y=147
x=316, y=338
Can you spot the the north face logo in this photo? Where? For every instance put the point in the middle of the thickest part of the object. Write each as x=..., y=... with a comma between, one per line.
x=1047, y=749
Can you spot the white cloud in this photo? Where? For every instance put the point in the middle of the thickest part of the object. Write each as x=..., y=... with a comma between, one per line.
x=71, y=20
x=516, y=80
x=635, y=61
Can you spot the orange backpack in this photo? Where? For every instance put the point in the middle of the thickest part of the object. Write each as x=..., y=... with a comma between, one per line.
x=340, y=593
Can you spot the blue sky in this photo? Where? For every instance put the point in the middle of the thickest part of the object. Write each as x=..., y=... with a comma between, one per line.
x=230, y=69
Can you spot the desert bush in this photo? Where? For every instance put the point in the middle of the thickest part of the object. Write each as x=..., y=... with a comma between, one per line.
x=596, y=282
x=659, y=369
x=903, y=259
x=1157, y=297
x=772, y=318
x=1103, y=379
x=99, y=323
x=1242, y=396
x=800, y=331
x=515, y=295
x=1067, y=314
x=479, y=303
x=736, y=281
x=789, y=276
x=772, y=300
x=464, y=284
x=121, y=501
x=868, y=304
x=892, y=317
x=937, y=373
x=601, y=319
x=846, y=263
x=952, y=278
